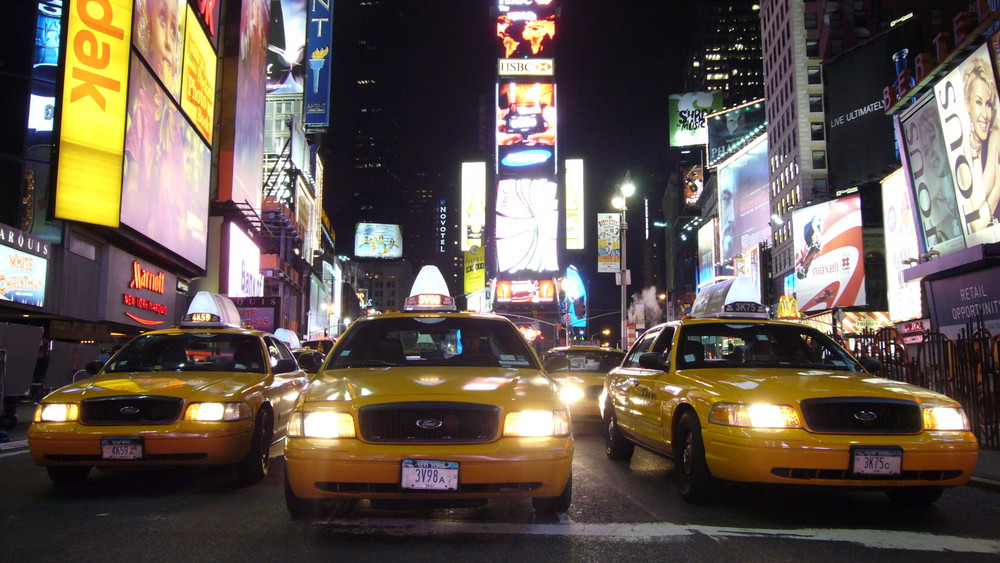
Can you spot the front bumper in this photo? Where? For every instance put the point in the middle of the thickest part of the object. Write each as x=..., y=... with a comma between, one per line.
x=350, y=468
x=797, y=456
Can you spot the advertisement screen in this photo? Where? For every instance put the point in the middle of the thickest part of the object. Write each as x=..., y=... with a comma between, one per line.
x=48, y=30
x=609, y=250
x=957, y=301
x=694, y=181
x=575, y=291
x=166, y=173
x=687, y=114
x=527, y=225
x=158, y=34
x=245, y=279
x=829, y=265
x=525, y=291
x=198, y=84
x=378, y=240
x=731, y=130
x=318, y=73
x=901, y=250
x=744, y=204
x=22, y=277
x=706, y=251
x=525, y=30
x=967, y=105
x=473, y=204
x=475, y=269
x=575, y=233
x=526, y=128
x=286, y=47
x=930, y=174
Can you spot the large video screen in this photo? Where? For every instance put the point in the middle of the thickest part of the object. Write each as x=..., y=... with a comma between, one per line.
x=158, y=31
x=901, y=251
x=527, y=224
x=166, y=173
x=198, y=82
x=829, y=255
x=378, y=240
x=526, y=128
x=731, y=130
x=286, y=50
x=687, y=114
x=744, y=204
x=525, y=29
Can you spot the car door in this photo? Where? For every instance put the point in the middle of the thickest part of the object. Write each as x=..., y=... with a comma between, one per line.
x=284, y=387
x=631, y=391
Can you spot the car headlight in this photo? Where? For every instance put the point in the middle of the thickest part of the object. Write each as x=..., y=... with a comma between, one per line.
x=536, y=423
x=570, y=393
x=945, y=418
x=57, y=412
x=758, y=415
x=217, y=412
x=321, y=424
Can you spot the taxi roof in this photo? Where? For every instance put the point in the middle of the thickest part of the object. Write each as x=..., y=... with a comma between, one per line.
x=736, y=297
x=429, y=292
x=211, y=310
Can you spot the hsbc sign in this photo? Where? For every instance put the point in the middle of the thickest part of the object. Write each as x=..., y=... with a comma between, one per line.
x=525, y=67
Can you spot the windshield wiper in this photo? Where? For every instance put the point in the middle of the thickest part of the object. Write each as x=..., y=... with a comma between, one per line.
x=366, y=364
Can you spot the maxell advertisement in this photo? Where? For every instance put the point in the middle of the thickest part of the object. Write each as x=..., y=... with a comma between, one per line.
x=687, y=114
x=829, y=265
x=901, y=251
x=930, y=176
x=318, y=73
x=967, y=105
x=733, y=129
x=527, y=225
x=860, y=137
x=744, y=204
x=960, y=300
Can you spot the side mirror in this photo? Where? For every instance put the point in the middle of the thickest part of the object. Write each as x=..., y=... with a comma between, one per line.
x=93, y=367
x=871, y=365
x=285, y=366
x=651, y=360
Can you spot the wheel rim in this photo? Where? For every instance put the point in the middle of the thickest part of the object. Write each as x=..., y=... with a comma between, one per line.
x=687, y=457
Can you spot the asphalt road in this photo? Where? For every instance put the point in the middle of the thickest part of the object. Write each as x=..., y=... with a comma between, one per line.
x=620, y=512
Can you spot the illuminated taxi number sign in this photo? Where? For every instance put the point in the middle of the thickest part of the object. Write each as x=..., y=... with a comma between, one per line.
x=429, y=300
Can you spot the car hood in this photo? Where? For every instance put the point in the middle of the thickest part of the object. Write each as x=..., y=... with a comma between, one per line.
x=164, y=384
x=792, y=385
x=472, y=384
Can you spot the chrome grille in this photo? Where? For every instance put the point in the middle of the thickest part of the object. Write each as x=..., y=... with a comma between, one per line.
x=429, y=422
x=132, y=409
x=862, y=415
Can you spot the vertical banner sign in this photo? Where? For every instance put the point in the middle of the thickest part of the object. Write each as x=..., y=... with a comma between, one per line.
x=473, y=204
x=318, y=71
x=609, y=250
x=475, y=269
x=575, y=233
x=92, y=120
x=901, y=251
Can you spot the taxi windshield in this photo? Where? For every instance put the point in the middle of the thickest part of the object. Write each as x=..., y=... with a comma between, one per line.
x=190, y=351
x=716, y=345
x=432, y=341
x=587, y=360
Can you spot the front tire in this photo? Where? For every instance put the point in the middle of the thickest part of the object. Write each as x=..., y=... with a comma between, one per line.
x=914, y=497
x=550, y=505
x=67, y=475
x=694, y=480
x=616, y=445
x=254, y=467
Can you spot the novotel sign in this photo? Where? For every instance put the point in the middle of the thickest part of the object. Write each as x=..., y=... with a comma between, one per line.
x=525, y=67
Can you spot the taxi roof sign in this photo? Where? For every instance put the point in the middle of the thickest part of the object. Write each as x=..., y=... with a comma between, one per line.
x=288, y=337
x=734, y=297
x=429, y=292
x=209, y=309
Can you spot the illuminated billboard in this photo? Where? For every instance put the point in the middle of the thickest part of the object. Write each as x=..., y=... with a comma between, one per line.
x=694, y=181
x=576, y=236
x=166, y=173
x=318, y=73
x=378, y=240
x=526, y=128
x=48, y=30
x=609, y=251
x=525, y=28
x=286, y=49
x=158, y=34
x=245, y=279
x=687, y=114
x=706, y=251
x=527, y=221
x=92, y=115
x=525, y=67
x=475, y=269
x=733, y=129
x=23, y=267
x=930, y=176
x=198, y=84
x=901, y=251
x=967, y=104
x=829, y=265
x=744, y=204
x=139, y=293
x=473, y=204
x=525, y=291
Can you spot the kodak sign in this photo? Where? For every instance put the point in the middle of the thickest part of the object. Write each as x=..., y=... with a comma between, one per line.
x=93, y=107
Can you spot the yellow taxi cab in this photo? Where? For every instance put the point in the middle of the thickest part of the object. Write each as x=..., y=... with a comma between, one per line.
x=580, y=372
x=430, y=407
x=204, y=393
x=732, y=396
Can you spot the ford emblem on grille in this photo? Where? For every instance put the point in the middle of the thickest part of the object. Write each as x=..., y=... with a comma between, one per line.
x=129, y=410
x=429, y=423
x=865, y=416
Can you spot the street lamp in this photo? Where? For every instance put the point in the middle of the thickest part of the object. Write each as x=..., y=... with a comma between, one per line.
x=620, y=201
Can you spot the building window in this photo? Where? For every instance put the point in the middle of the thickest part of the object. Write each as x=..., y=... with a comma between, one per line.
x=812, y=22
x=836, y=20
x=814, y=74
x=860, y=18
x=812, y=48
x=816, y=127
x=815, y=102
x=836, y=46
x=819, y=160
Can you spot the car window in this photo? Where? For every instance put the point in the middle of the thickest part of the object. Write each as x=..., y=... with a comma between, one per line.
x=759, y=345
x=643, y=345
x=590, y=360
x=190, y=351
x=277, y=350
x=471, y=341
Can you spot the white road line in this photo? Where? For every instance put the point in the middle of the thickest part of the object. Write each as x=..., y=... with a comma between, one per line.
x=880, y=539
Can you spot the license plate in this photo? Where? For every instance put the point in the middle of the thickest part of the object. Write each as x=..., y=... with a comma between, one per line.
x=876, y=461
x=430, y=475
x=121, y=448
